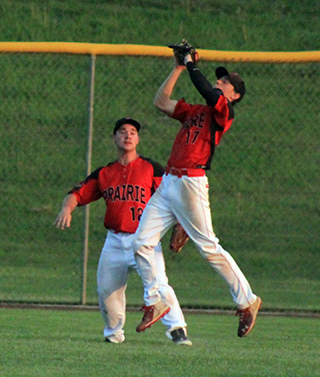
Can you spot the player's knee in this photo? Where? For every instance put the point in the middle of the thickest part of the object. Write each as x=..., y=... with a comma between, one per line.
x=209, y=248
x=139, y=247
x=103, y=293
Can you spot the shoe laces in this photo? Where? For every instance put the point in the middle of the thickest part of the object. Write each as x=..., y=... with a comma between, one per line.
x=146, y=310
x=241, y=313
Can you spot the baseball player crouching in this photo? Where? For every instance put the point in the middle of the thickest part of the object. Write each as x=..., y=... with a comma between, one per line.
x=126, y=185
x=183, y=193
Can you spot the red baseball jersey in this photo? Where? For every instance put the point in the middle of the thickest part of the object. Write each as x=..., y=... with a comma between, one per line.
x=202, y=129
x=125, y=189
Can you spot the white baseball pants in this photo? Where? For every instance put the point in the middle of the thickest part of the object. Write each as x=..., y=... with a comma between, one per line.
x=116, y=260
x=185, y=199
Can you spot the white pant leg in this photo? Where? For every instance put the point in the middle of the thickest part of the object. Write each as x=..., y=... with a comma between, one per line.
x=175, y=318
x=112, y=282
x=116, y=259
x=156, y=219
x=192, y=208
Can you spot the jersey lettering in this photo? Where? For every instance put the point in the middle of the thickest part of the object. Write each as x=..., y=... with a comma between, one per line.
x=192, y=136
x=197, y=120
x=193, y=121
x=137, y=193
x=117, y=194
x=136, y=213
x=129, y=192
x=125, y=193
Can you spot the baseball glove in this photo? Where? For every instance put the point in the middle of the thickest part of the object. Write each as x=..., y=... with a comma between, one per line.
x=182, y=49
x=178, y=239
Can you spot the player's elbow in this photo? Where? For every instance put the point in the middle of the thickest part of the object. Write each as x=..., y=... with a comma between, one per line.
x=165, y=105
x=159, y=103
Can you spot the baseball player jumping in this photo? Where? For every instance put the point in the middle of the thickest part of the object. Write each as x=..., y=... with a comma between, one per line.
x=126, y=186
x=183, y=193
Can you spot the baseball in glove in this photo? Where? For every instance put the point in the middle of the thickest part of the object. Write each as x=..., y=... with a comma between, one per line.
x=178, y=239
x=182, y=49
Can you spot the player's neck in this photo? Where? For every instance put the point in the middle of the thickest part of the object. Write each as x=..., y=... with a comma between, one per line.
x=126, y=157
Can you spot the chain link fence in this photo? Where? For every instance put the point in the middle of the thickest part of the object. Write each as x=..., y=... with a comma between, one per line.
x=264, y=182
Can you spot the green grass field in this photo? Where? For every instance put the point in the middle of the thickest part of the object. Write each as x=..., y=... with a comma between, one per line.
x=37, y=342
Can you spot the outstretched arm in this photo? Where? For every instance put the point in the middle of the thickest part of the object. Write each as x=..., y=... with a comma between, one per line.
x=210, y=94
x=163, y=99
x=68, y=205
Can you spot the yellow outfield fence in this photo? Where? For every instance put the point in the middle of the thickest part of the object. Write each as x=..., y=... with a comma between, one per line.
x=160, y=51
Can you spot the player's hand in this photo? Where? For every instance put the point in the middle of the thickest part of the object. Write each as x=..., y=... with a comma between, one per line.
x=183, y=48
x=177, y=64
x=63, y=220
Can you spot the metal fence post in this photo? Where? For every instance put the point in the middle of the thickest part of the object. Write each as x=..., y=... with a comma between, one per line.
x=87, y=208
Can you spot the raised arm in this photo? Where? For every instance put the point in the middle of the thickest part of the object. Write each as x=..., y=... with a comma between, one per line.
x=64, y=218
x=207, y=91
x=163, y=99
